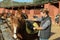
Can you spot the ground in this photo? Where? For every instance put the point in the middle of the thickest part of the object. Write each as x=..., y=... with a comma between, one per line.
x=55, y=35
x=55, y=32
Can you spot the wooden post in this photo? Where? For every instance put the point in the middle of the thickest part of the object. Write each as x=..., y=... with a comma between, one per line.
x=34, y=11
x=12, y=11
x=59, y=6
x=25, y=8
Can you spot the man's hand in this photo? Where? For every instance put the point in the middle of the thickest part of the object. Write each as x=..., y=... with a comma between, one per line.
x=34, y=28
x=38, y=28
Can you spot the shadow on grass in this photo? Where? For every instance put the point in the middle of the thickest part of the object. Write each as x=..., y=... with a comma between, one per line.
x=57, y=38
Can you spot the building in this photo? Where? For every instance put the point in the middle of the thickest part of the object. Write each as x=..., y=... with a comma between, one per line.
x=32, y=8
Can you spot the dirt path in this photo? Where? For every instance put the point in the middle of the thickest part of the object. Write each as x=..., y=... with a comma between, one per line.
x=55, y=32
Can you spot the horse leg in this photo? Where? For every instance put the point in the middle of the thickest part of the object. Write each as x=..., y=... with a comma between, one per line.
x=14, y=35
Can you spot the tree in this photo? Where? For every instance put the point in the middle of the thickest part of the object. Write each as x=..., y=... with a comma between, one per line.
x=40, y=1
x=53, y=0
x=7, y=0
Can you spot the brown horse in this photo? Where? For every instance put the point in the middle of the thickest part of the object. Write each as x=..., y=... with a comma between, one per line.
x=14, y=24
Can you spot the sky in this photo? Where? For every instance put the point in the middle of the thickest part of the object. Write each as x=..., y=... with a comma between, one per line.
x=22, y=0
x=0, y=0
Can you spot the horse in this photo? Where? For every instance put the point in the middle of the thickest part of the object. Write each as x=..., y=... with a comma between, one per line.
x=14, y=23
x=22, y=29
x=18, y=27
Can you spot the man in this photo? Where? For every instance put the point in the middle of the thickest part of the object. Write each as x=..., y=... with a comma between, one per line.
x=45, y=26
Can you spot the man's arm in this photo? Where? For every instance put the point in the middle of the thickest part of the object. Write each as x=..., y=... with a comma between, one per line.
x=44, y=26
x=37, y=19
